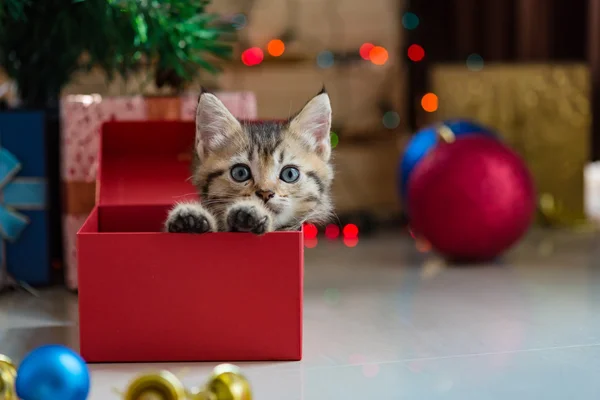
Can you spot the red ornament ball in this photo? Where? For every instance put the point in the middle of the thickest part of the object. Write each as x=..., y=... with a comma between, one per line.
x=471, y=199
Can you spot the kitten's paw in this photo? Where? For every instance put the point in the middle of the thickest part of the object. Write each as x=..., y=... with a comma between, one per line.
x=248, y=218
x=189, y=218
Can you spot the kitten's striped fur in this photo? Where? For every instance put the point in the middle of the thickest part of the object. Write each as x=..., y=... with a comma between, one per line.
x=264, y=202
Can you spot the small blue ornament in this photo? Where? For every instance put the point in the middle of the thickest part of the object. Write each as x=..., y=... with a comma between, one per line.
x=425, y=139
x=53, y=372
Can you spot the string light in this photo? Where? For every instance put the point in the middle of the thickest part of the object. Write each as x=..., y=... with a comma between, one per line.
x=410, y=21
x=276, y=47
x=252, y=56
x=429, y=102
x=332, y=231
x=365, y=49
x=325, y=59
x=475, y=62
x=350, y=231
x=415, y=52
x=391, y=119
x=378, y=55
x=423, y=246
x=334, y=140
x=310, y=231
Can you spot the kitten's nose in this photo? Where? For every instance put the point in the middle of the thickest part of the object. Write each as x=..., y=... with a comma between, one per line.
x=265, y=195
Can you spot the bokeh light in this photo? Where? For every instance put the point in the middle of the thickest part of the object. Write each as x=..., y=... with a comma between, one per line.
x=429, y=102
x=423, y=246
x=311, y=243
x=378, y=55
x=310, y=231
x=325, y=59
x=332, y=231
x=350, y=231
x=415, y=52
x=350, y=242
x=276, y=47
x=252, y=56
x=239, y=21
x=334, y=140
x=391, y=119
x=475, y=62
x=365, y=49
x=410, y=21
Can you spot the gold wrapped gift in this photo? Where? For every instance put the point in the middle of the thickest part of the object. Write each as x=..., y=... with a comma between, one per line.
x=542, y=111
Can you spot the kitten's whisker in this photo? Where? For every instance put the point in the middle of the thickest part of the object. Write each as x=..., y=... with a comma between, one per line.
x=185, y=194
x=334, y=215
x=218, y=201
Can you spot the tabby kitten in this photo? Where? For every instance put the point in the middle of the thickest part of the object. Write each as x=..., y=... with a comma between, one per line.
x=258, y=177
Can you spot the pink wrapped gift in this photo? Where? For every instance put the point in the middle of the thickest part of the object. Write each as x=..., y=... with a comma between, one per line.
x=82, y=116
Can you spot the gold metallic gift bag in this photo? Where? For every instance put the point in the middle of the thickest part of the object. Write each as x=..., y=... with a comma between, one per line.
x=542, y=111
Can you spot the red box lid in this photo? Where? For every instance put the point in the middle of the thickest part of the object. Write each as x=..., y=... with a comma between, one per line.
x=145, y=162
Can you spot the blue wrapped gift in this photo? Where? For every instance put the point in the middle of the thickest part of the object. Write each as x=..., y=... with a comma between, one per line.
x=24, y=222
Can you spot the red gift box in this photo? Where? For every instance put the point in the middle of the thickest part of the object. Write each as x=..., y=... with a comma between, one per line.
x=151, y=296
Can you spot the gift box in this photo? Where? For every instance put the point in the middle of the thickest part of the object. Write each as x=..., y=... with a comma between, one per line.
x=82, y=117
x=24, y=218
x=541, y=110
x=151, y=296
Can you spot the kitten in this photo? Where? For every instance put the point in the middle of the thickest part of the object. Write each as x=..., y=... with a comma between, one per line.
x=258, y=177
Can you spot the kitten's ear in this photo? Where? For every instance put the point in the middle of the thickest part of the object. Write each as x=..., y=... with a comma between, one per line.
x=313, y=124
x=215, y=125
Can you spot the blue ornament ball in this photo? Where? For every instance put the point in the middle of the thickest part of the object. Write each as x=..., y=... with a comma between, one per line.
x=53, y=372
x=425, y=139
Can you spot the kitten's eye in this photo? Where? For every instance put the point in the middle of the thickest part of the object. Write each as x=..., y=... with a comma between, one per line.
x=289, y=174
x=240, y=173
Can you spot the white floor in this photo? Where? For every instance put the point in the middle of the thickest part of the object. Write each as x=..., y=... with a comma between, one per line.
x=383, y=322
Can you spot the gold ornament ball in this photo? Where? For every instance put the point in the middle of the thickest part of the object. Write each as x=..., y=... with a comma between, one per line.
x=8, y=374
x=162, y=385
x=228, y=383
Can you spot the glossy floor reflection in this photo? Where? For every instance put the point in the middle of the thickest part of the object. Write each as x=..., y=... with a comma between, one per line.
x=385, y=322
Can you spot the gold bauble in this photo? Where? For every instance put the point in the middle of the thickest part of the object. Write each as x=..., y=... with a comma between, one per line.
x=162, y=385
x=225, y=383
x=8, y=374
